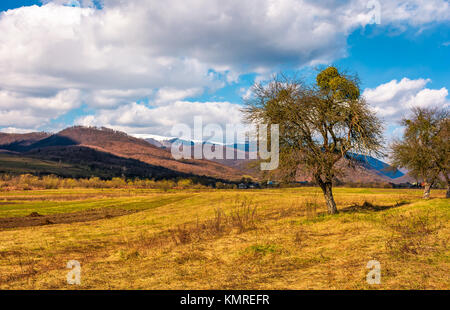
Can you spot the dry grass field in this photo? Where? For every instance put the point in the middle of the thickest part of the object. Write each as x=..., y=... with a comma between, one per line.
x=223, y=239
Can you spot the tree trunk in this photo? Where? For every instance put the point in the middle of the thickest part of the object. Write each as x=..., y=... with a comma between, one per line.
x=328, y=193
x=426, y=191
x=447, y=180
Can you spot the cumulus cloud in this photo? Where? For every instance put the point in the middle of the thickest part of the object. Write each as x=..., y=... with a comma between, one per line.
x=111, y=98
x=14, y=130
x=166, y=51
x=394, y=99
x=142, y=119
x=416, y=12
x=246, y=93
x=32, y=111
x=169, y=95
x=74, y=3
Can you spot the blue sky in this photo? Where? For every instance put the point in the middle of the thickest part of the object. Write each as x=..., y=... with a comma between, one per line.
x=138, y=68
x=13, y=4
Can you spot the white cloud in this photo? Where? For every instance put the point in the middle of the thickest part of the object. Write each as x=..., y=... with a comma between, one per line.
x=111, y=98
x=33, y=111
x=167, y=51
x=15, y=130
x=246, y=93
x=416, y=12
x=394, y=99
x=168, y=95
x=141, y=119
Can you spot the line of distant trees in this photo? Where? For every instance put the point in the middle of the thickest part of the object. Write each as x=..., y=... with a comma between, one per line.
x=32, y=182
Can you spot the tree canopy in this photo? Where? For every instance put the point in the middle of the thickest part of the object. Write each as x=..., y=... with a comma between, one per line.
x=319, y=124
x=425, y=148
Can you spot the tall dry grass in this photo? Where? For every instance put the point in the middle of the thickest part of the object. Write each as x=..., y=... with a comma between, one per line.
x=241, y=218
x=414, y=234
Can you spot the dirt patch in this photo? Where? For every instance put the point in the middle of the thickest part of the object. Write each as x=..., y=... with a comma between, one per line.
x=35, y=214
x=6, y=203
x=36, y=219
x=73, y=197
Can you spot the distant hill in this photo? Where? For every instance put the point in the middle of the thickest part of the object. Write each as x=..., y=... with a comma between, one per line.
x=13, y=163
x=240, y=161
x=377, y=165
x=86, y=151
x=367, y=170
x=154, y=142
x=106, y=141
x=21, y=142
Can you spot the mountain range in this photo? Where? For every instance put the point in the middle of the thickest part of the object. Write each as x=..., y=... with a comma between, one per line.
x=105, y=152
x=90, y=151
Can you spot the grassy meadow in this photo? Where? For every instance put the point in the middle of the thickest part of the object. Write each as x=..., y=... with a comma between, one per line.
x=223, y=239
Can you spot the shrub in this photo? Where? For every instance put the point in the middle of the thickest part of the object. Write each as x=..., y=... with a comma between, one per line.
x=185, y=183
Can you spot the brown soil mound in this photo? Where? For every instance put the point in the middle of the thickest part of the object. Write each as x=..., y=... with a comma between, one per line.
x=35, y=214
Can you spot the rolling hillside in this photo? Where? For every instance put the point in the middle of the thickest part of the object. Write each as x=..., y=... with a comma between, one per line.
x=243, y=164
x=107, y=153
x=105, y=149
x=367, y=169
x=20, y=142
x=12, y=163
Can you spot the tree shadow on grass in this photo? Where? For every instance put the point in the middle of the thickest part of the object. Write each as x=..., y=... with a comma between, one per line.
x=369, y=207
